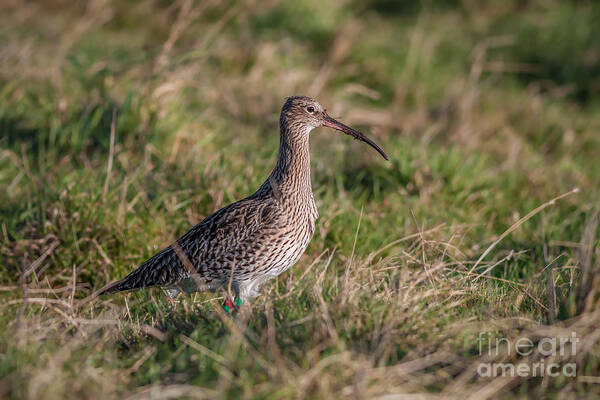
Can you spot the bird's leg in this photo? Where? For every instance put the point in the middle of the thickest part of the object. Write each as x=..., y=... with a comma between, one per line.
x=232, y=301
x=230, y=305
x=172, y=293
x=227, y=305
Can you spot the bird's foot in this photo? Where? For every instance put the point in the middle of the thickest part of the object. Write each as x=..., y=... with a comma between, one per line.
x=230, y=306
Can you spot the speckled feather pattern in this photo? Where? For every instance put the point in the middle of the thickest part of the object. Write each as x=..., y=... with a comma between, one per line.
x=251, y=240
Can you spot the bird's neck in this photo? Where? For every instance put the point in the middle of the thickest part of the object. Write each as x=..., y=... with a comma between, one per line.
x=292, y=171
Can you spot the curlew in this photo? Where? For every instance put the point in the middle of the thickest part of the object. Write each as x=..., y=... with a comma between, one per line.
x=255, y=239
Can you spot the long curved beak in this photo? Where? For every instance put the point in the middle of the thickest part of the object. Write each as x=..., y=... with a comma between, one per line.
x=332, y=123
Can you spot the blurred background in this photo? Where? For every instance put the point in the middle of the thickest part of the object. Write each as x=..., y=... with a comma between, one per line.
x=124, y=123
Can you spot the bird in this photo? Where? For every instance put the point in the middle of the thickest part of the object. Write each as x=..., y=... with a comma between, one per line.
x=253, y=240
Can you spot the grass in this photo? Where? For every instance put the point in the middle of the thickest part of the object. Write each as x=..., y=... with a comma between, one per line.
x=487, y=111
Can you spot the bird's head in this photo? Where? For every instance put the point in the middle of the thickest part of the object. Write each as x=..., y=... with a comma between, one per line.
x=302, y=114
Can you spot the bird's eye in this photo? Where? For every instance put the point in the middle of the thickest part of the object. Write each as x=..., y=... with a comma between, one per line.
x=310, y=109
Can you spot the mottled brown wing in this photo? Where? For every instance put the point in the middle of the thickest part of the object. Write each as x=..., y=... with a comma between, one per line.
x=210, y=247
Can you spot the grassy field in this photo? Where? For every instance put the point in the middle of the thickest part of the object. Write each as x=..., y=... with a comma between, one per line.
x=484, y=224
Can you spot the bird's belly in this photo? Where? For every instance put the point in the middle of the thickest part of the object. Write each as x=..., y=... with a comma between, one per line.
x=290, y=257
x=288, y=250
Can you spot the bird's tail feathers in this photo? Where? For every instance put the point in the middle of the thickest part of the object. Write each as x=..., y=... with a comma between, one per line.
x=115, y=287
x=160, y=270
